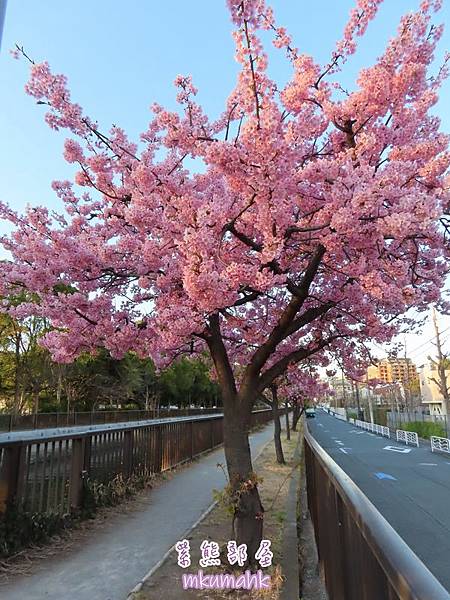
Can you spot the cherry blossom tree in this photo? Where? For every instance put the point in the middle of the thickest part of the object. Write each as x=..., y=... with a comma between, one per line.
x=313, y=227
x=300, y=388
x=295, y=388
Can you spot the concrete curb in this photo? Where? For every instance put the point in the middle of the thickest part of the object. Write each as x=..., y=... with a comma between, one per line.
x=289, y=561
x=137, y=588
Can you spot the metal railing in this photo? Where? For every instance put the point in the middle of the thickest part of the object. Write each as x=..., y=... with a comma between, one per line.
x=45, y=472
x=11, y=422
x=361, y=554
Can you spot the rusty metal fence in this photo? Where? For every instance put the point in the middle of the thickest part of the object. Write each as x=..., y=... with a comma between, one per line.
x=362, y=556
x=44, y=472
x=11, y=422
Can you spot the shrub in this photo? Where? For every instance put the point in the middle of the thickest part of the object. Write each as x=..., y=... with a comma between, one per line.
x=425, y=429
x=20, y=528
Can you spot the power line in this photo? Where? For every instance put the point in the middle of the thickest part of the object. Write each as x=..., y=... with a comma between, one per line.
x=430, y=340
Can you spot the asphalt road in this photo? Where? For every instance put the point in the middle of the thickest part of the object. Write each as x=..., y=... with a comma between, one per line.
x=410, y=486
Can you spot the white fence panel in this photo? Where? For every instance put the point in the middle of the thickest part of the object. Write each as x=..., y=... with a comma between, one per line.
x=385, y=431
x=440, y=444
x=374, y=427
x=409, y=437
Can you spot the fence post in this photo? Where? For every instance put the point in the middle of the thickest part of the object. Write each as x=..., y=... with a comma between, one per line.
x=159, y=448
x=76, y=473
x=12, y=475
x=128, y=443
x=192, y=439
x=87, y=456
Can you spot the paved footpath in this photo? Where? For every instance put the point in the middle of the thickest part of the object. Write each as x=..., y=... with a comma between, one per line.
x=109, y=565
x=409, y=486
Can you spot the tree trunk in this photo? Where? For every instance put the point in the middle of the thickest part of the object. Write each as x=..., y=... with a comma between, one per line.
x=277, y=434
x=35, y=400
x=17, y=378
x=288, y=429
x=248, y=510
x=59, y=387
x=296, y=414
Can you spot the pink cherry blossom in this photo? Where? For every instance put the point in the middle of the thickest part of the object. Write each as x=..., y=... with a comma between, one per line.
x=315, y=226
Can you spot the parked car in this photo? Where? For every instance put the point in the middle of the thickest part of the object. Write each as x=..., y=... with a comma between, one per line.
x=310, y=413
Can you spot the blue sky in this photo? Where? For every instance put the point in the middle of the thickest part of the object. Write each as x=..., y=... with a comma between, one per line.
x=121, y=57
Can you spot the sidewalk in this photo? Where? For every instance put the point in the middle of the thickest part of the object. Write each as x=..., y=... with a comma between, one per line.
x=278, y=492
x=110, y=564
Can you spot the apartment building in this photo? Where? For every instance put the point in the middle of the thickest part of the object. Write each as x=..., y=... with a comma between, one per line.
x=392, y=370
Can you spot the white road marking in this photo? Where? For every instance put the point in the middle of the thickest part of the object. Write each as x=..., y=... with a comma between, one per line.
x=396, y=449
x=428, y=464
x=339, y=442
x=320, y=425
x=344, y=450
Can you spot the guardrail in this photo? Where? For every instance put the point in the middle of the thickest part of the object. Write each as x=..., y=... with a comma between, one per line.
x=440, y=444
x=45, y=472
x=11, y=422
x=409, y=437
x=374, y=428
x=361, y=554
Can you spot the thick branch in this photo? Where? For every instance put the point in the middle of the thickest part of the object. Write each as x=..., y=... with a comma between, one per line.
x=221, y=361
x=280, y=331
x=308, y=316
x=293, y=357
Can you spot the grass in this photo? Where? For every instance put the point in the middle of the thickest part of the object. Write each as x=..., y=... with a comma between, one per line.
x=425, y=429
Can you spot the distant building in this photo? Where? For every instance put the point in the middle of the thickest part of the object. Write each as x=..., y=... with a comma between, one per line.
x=429, y=390
x=342, y=391
x=392, y=370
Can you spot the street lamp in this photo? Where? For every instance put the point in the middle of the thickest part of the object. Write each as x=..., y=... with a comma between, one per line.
x=2, y=18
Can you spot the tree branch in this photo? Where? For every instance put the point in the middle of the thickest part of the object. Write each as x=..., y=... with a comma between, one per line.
x=293, y=357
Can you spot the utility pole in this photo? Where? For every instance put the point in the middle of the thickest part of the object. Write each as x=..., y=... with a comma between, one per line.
x=2, y=18
x=369, y=399
x=357, y=399
x=442, y=376
x=344, y=395
x=407, y=387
